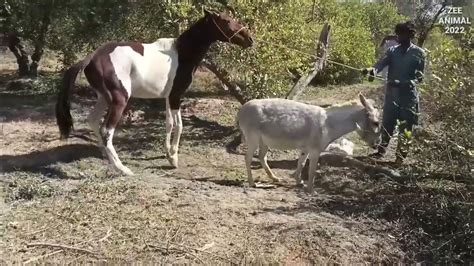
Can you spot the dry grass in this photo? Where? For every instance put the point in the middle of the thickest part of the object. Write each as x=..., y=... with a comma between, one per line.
x=63, y=199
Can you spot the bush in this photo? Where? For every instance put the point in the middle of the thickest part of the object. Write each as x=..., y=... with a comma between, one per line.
x=447, y=104
x=268, y=70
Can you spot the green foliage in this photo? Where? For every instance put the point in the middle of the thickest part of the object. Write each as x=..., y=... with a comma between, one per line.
x=267, y=69
x=447, y=103
x=264, y=67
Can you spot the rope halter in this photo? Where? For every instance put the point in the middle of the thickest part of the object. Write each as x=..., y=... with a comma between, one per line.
x=224, y=34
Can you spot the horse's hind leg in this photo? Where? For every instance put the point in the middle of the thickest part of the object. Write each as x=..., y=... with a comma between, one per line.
x=173, y=122
x=262, y=155
x=94, y=119
x=116, y=108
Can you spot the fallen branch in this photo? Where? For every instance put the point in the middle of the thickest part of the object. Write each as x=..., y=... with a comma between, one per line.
x=321, y=54
x=340, y=160
x=224, y=77
x=107, y=235
x=62, y=247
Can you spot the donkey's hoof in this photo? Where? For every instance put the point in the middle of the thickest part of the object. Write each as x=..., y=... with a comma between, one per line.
x=173, y=159
x=309, y=190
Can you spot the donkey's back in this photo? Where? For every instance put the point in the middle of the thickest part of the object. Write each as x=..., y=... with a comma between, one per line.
x=280, y=123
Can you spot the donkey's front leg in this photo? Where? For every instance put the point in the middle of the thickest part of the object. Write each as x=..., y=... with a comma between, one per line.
x=178, y=129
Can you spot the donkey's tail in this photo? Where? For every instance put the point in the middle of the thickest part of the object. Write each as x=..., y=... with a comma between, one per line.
x=63, y=105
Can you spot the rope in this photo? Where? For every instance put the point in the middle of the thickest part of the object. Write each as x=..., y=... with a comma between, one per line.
x=313, y=56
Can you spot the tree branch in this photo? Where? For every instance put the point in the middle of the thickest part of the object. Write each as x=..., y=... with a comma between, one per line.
x=321, y=55
x=224, y=77
x=62, y=247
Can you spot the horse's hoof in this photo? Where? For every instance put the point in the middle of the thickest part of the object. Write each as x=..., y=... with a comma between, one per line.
x=275, y=179
x=173, y=159
x=125, y=171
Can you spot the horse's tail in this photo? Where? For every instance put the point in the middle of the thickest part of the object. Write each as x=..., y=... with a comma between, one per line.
x=231, y=147
x=63, y=105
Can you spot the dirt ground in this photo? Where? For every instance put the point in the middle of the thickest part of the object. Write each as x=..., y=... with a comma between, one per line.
x=62, y=203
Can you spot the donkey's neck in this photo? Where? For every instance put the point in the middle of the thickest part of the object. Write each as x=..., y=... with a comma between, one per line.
x=193, y=44
x=342, y=120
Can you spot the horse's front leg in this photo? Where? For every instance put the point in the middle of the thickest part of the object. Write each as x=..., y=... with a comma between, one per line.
x=169, y=128
x=178, y=129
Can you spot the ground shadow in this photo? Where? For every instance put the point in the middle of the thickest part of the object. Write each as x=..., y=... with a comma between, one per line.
x=423, y=229
x=150, y=133
x=37, y=161
x=204, y=130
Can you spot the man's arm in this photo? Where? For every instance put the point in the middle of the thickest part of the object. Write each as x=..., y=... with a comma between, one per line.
x=383, y=62
x=420, y=70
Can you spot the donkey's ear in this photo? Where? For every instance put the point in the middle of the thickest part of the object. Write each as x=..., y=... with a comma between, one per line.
x=363, y=100
x=366, y=103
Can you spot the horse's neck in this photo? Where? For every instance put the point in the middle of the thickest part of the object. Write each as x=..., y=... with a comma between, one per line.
x=342, y=120
x=193, y=44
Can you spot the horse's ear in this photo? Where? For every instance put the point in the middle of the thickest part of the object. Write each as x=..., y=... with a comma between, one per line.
x=208, y=12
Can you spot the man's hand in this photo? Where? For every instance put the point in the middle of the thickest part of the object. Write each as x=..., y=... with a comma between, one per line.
x=419, y=76
x=370, y=71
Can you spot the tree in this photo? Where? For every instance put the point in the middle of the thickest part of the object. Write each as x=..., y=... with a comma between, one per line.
x=63, y=26
x=426, y=16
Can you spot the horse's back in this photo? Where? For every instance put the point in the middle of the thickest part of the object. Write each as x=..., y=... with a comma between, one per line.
x=145, y=70
x=280, y=123
x=154, y=72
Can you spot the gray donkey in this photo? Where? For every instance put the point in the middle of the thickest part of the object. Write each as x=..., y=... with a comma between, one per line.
x=286, y=125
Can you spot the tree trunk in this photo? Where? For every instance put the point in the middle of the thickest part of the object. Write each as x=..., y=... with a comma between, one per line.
x=40, y=43
x=17, y=48
x=425, y=30
x=321, y=55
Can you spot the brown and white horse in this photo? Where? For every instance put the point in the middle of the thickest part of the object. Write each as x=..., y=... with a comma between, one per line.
x=162, y=69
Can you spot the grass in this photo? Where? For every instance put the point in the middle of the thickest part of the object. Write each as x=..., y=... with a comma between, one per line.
x=64, y=193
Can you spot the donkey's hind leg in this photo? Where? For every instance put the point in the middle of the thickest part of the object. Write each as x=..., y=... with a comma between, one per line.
x=94, y=120
x=262, y=155
x=299, y=167
x=252, y=146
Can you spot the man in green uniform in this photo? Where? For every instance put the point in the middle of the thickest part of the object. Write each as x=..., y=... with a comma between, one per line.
x=406, y=63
